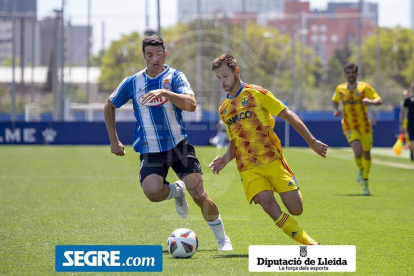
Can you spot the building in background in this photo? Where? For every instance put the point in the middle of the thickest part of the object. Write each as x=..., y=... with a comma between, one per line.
x=75, y=42
x=77, y=45
x=38, y=37
x=23, y=13
x=367, y=8
x=324, y=31
x=187, y=9
x=412, y=14
x=20, y=6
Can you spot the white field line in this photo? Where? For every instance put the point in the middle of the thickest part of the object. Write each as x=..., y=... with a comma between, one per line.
x=338, y=154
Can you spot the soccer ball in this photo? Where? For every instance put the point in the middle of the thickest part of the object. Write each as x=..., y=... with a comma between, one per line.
x=182, y=243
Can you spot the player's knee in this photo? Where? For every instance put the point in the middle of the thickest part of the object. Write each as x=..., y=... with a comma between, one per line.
x=154, y=197
x=358, y=155
x=295, y=211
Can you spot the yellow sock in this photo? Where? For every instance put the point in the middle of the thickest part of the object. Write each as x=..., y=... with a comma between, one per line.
x=367, y=167
x=293, y=230
x=358, y=162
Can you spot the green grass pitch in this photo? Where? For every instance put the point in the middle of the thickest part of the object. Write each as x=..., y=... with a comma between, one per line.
x=86, y=196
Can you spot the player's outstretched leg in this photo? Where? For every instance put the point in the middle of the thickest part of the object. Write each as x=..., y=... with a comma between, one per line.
x=178, y=193
x=156, y=190
x=209, y=210
x=282, y=220
x=291, y=228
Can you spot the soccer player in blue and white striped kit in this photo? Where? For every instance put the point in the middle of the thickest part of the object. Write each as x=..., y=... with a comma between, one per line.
x=159, y=94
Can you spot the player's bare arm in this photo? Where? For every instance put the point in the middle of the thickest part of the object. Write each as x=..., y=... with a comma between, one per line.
x=117, y=147
x=368, y=102
x=185, y=102
x=337, y=112
x=219, y=163
x=316, y=145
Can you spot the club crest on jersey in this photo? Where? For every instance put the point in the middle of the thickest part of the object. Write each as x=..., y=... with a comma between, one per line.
x=245, y=101
x=155, y=102
x=167, y=84
x=358, y=94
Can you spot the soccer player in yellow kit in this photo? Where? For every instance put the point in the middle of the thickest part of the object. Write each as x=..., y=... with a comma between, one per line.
x=356, y=97
x=247, y=113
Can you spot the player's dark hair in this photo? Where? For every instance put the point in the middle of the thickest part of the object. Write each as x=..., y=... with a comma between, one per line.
x=350, y=65
x=224, y=59
x=152, y=41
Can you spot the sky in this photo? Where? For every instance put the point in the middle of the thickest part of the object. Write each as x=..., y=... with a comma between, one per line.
x=130, y=15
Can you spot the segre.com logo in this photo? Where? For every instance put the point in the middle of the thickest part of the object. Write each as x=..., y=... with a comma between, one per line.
x=108, y=258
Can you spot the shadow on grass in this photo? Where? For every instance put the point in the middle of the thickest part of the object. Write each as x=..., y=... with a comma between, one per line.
x=231, y=256
x=354, y=195
x=198, y=250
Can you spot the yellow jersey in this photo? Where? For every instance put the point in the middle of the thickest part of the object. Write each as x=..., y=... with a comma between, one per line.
x=249, y=124
x=355, y=115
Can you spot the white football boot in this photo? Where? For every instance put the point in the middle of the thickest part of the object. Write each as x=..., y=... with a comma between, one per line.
x=225, y=244
x=181, y=204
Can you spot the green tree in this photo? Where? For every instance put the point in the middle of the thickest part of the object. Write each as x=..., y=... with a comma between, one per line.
x=97, y=60
x=265, y=50
x=123, y=58
x=397, y=55
x=334, y=74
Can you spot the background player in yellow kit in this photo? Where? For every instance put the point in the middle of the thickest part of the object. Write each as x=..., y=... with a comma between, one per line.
x=247, y=113
x=356, y=97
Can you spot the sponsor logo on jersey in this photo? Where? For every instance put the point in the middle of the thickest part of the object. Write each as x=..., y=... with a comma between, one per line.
x=155, y=102
x=352, y=102
x=238, y=117
x=245, y=101
x=167, y=84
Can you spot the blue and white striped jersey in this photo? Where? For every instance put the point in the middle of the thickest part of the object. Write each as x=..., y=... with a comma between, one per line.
x=159, y=125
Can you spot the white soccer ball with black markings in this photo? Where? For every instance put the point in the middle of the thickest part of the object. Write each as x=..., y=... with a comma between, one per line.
x=182, y=243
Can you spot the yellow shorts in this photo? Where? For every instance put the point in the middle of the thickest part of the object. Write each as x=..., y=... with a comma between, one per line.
x=275, y=176
x=365, y=138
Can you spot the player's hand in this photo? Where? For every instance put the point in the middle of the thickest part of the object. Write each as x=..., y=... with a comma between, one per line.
x=366, y=101
x=337, y=113
x=152, y=95
x=319, y=147
x=117, y=148
x=217, y=164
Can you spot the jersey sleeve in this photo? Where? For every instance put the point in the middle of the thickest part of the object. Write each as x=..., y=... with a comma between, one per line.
x=181, y=84
x=371, y=93
x=123, y=92
x=336, y=96
x=270, y=103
